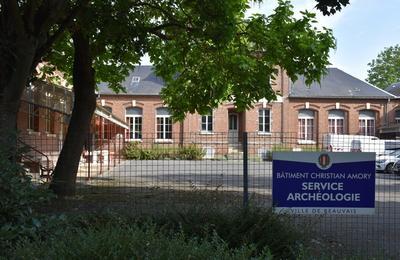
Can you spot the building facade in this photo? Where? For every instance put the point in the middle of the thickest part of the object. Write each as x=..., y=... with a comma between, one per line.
x=339, y=104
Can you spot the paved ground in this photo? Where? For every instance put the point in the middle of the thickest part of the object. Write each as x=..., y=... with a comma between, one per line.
x=222, y=174
x=374, y=234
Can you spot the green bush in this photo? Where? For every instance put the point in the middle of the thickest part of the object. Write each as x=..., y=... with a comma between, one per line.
x=196, y=233
x=133, y=151
x=190, y=152
x=236, y=226
x=124, y=241
x=18, y=197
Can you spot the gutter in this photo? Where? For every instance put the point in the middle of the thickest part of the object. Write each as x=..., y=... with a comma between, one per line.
x=111, y=118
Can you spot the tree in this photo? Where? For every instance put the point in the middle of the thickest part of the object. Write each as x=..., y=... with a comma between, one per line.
x=28, y=30
x=385, y=69
x=207, y=51
x=328, y=7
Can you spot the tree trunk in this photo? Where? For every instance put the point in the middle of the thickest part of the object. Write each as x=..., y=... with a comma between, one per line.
x=15, y=75
x=64, y=178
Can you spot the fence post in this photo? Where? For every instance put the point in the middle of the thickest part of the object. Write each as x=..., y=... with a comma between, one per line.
x=245, y=170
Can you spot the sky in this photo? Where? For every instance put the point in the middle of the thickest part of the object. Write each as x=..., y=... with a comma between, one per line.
x=362, y=30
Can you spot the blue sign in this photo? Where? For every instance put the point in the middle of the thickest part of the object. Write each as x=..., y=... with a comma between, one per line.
x=323, y=183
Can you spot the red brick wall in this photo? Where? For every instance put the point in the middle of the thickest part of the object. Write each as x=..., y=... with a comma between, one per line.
x=284, y=114
x=351, y=108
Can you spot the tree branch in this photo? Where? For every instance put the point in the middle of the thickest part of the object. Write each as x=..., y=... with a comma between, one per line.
x=67, y=22
x=157, y=30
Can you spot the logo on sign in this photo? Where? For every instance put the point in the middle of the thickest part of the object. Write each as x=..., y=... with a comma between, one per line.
x=324, y=161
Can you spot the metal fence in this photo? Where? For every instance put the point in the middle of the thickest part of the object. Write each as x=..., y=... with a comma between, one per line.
x=155, y=172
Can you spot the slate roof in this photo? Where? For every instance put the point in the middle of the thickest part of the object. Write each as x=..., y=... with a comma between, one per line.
x=337, y=84
x=149, y=83
x=394, y=89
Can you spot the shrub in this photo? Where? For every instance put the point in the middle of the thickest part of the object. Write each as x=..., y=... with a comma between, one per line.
x=125, y=241
x=133, y=151
x=252, y=226
x=191, y=152
x=18, y=197
x=196, y=233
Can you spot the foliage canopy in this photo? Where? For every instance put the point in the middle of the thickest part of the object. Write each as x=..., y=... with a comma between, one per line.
x=207, y=52
x=385, y=69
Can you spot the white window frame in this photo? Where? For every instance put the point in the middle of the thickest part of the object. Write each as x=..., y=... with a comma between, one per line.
x=367, y=123
x=135, y=79
x=262, y=114
x=306, y=119
x=334, y=119
x=164, y=123
x=209, y=123
x=132, y=124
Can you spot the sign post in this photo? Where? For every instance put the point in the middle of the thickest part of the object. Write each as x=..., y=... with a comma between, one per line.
x=323, y=183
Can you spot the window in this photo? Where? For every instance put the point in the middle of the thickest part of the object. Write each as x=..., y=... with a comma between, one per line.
x=164, y=123
x=336, y=121
x=49, y=115
x=233, y=122
x=207, y=122
x=33, y=117
x=306, y=124
x=133, y=117
x=264, y=120
x=135, y=79
x=397, y=116
x=49, y=119
x=366, y=121
x=33, y=109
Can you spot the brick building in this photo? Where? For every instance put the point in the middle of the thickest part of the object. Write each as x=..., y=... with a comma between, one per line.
x=340, y=104
x=301, y=114
x=392, y=129
x=42, y=123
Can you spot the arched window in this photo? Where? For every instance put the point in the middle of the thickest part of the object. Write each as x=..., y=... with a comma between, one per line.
x=366, y=121
x=336, y=122
x=133, y=117
x=164, y=123
x=306, y=124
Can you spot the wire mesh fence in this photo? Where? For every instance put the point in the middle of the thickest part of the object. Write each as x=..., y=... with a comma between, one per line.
x=159, y=171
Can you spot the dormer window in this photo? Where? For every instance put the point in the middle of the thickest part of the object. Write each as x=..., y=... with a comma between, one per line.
x=135, y=79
